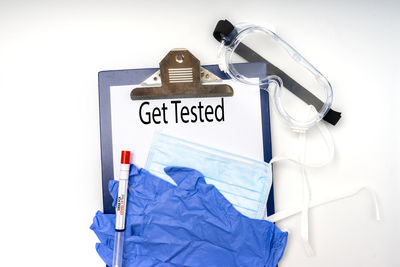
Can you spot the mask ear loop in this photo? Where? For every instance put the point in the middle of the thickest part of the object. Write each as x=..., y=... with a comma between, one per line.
x=278, y=216
x=306, y=190
x=311, y=204
x=300, y=160
x=307, y=202
x=306, y=196
x=328, y=142
x=302, y=136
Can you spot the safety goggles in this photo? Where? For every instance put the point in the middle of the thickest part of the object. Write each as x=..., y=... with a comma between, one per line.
x=293, y=83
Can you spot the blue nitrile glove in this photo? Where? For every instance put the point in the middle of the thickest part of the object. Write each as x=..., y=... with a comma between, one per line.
x=190, y=224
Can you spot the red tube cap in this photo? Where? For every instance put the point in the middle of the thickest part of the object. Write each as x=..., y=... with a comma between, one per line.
x=125, y=157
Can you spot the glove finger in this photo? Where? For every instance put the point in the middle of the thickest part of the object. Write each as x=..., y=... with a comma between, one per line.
x=138, y=246
x=143, y=188
x=103, y=225
x=146, y=261
x=130, y=257
x=146, y=185
x=105, y=252
x=185, y=178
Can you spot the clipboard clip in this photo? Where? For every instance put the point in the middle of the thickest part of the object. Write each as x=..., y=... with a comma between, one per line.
x=181, y=76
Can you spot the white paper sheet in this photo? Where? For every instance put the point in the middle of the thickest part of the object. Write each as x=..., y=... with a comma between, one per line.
x=240, y=132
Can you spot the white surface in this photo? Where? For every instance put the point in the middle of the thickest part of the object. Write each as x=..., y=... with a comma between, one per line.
x=51, y=51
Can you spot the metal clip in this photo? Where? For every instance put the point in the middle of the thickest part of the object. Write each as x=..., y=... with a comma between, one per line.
x=181, y=76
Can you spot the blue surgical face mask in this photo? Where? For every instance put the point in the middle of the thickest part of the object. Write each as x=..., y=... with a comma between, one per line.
x=244, y=182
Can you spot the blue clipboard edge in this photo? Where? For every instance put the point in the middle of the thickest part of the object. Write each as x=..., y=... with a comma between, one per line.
x=110, y=78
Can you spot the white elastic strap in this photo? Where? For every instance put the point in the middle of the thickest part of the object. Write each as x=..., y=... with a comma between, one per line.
x=306, y=197
x=301, y=161
x=278, y=216
x=329, y=143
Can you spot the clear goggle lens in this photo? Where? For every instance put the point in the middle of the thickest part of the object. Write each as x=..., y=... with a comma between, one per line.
x=301, y=94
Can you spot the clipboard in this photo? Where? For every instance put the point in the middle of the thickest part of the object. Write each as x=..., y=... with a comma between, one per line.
x=115, y=81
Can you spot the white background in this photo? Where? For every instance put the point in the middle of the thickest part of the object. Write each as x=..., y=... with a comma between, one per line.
x=51, y=52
